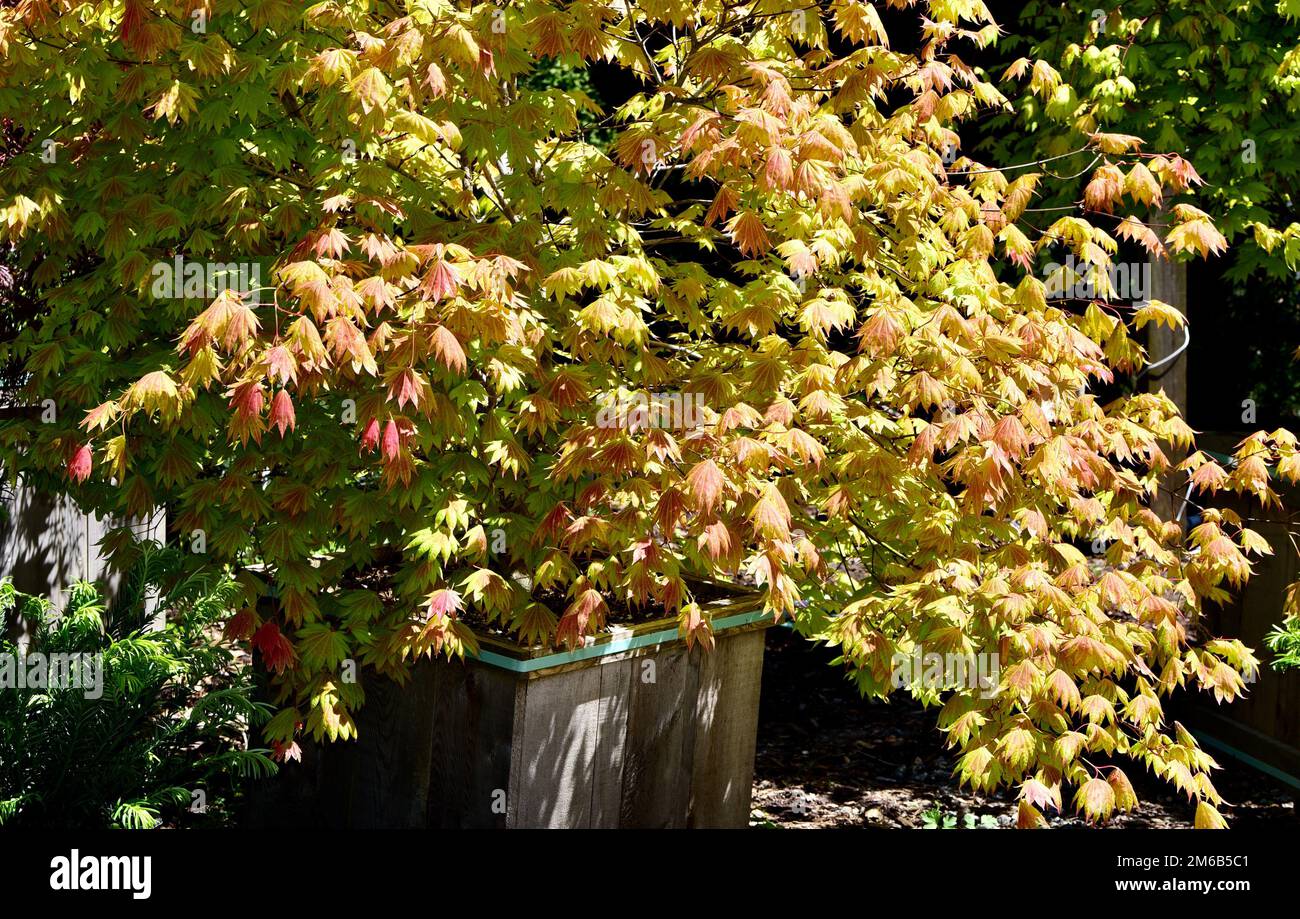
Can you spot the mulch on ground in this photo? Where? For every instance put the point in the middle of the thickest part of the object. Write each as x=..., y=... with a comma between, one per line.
x=829, y=758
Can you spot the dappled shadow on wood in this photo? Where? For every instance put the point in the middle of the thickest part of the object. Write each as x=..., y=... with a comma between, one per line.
x=662, y=737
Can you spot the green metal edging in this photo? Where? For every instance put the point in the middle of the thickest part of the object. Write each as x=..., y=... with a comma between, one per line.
x=616, y=646
x=1285, y=777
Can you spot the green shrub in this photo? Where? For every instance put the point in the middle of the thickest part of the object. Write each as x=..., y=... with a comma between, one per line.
x=158, y=738
x=1284, y=642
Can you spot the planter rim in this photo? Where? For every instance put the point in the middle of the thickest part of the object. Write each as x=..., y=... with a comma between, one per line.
x=744, y=607
x=728, y=613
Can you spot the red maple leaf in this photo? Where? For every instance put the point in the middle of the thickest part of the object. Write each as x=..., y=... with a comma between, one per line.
x=554, y=523
x=370, y=436
x=241, y=625
x=79, y=464
x=282, y=752
x=282, y=414
x=442, y=281
x=392, y=441
x=443, y=603
x=247, y=399
x=446, y=348
x=405, y=388
x=280, y=365
x=276, y=650
x=133, y=29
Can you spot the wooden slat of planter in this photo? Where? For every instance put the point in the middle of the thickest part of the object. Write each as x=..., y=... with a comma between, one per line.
x=1266, y=588
x=474, y=714
x=560, y=739
x=452, y=742
x=655, y=793
x=1221, y=726
x=386, y=768
x=302, y=795
x=724, y=747
x=607, y=771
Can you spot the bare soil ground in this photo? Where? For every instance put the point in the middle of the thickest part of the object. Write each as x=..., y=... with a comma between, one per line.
x=829, y=758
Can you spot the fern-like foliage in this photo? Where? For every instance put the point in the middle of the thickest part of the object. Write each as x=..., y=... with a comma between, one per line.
x=166, y=742
x=1284, y=642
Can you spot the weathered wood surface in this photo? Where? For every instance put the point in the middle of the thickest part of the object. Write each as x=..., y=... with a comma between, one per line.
x=1168, y=284
x=659, y=737
x=382, y=780
x=618, y=682
x=659, y=742
x=726, y=716
x=475, y=713
x=559, y=749
x=47, y=543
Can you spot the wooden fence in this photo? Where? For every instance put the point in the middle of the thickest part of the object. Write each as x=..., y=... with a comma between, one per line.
x=1264, y=727
x=47, y=543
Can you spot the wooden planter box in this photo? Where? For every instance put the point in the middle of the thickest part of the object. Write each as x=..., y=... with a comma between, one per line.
x=632, y=730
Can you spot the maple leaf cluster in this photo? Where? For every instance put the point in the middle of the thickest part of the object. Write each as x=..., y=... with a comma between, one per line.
x=901, y=438
x=1187, y=76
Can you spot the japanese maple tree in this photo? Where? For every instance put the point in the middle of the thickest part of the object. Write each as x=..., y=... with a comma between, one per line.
x=902, y=438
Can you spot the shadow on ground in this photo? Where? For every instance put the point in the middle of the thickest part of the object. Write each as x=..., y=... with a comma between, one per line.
x=829, y=758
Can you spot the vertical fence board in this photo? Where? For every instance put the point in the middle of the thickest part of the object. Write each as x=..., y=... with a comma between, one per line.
x=47, y=544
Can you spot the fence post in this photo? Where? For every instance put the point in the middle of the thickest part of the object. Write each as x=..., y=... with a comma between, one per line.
x=1169, y=285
